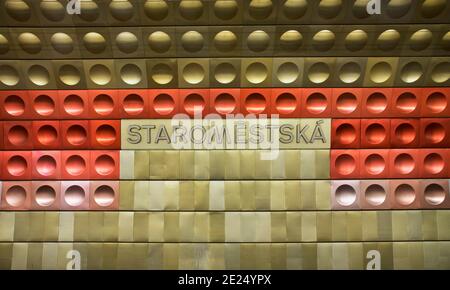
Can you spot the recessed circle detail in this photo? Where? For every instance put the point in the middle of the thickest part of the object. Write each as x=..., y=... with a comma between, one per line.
x=163, y=104
x=375, y=133
x=346, y=134
x=225, y=73
x=194, y=103
x=105, y=135
x=376, y=103
x=316, y=103
x=434, y=163
x=405, y=133
x=104, y=165
x=162, y=74
x=345, y=195
x=133, y=104
x=16, y=196
x=375, y=194
x=9, y=75
x=436, y=102
x=69, y=75
x=75, y=165
x=406, y=103
x=434, y=133
x=319, y=72
x=404, y=163
x=45, y=195
x=286, y=103
x=255, y=103
x=434, y=194
x=350, y=72
x=256, y=73
x=44, y=105
x=14, y=105
x=346, y=103
x=76, y=135
x=47, y=134
x=381, y=72
x=225, y=103
x=375, y=164
x=411, y=72
x=74, y=195
x=17, y=135
x=38, y=75
x=288, y=72
x=100, y=74
x=131, y=74
x=193, y=73
x=345, y=164
x=73, y=105
x=405, y=194
x=103, y=104
x=104, y=195
x=46, y=165
x=17, y=166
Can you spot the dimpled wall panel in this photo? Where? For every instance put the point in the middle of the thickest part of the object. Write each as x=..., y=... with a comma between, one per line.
x=91, y=156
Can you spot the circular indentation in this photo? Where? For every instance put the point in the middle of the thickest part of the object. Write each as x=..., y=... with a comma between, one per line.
x=376, y=103
x=162, y=74
x=52, y=10
x=225, y=73
x=45, y=195
x=258, y=41
x=225, y=9
x=294, y=9
x=405, y=133
x=388, y=39
x=46, y=165
x=94, y=42
x=89, y=10
x=360, y=9
x=398, y=8
x=406, y=103
x=38, y=75
x=69, y=75
x=105, y=135
x=375, y=164
x=346, y=103
x=131, y=74
x=62, y=43
x=436, y=103
x=434, y=133
x=380, y=72
x=345, y=195
x=411, y=72
x=18, y=9
x=434, y=163
x=260, y=9
x=194, y=103
x=193, y=73
x=316, y=103
x=323, y=40
x=286, y=103
x=434, y=194
x=133, y=104
x=44, y=105
x=8, y=75
x=75, y=165
x=405, y=194
x=375, y=194
x=16, y=166
x=192, y=41
x=440, y=72
x=47, y=134
x=121, y=10
x=255, y=103
x=100, y=74
x=345, y=134
x=319, y=72
x=156, y=10
x=350, y=72
x=375, y=133
x=127, y=42
x=74, y=195
x=256, y=73
x=191, y=9
x=16, y=196
x=73, y=105
x=17, y=135
x=329, y=8
x=345, y=164
x=159, y=41
x=404, y=163
x=4, y=44
x=356, y=40
x=104, y=195
x=103, y=104
x=29, y=42
x=291, y=40
x=287, y=72
x=14, y=105
x=420, y=39
x=224, y=103
x=104, y=165
x=445, y=41
x=163, y=104
x=432, y=8
x=76, y=135
x=225, y=41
